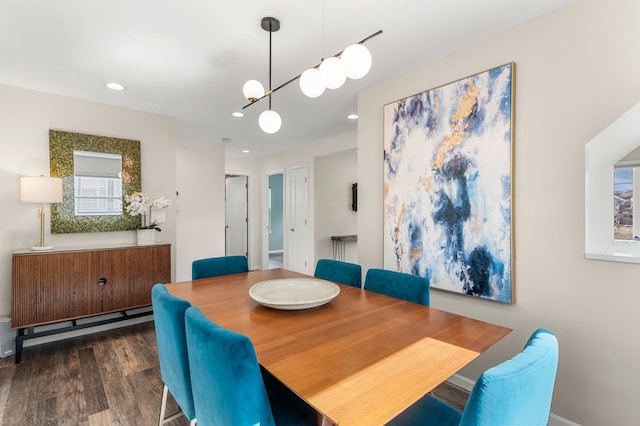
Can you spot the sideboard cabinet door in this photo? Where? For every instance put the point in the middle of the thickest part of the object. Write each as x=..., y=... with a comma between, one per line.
x=54, y=286
x=132, y=272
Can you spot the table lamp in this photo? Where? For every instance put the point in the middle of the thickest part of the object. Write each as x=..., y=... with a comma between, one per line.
x=42, y=189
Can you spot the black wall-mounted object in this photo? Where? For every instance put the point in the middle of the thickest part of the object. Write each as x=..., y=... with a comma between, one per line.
x=354, y=197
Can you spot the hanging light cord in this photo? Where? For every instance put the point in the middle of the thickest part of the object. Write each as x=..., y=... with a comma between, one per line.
x=270, y=92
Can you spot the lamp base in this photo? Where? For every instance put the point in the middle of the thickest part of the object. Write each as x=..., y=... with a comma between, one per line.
x=41, y=248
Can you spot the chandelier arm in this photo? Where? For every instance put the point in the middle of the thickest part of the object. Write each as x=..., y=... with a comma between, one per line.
x=270, y=92
x=364, y=40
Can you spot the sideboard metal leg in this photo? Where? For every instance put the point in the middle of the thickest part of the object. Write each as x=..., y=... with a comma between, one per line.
x=19, y=342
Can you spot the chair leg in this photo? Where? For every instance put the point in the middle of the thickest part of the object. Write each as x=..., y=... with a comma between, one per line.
x=165, y=391
x=163, y=407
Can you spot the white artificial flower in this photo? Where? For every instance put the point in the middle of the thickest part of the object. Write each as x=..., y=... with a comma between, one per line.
x=161, y=203
x=139, y=204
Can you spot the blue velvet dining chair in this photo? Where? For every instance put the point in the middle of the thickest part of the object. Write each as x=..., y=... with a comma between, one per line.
x=516, y=392
x=218, y=266
x=340, y=272
x=411, y=288
x=228, y=387
x=168, y=316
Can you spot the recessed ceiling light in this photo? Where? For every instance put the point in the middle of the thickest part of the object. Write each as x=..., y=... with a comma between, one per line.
x=237, y=114
x=352, y=116
x=245, y=151
x=115, y=86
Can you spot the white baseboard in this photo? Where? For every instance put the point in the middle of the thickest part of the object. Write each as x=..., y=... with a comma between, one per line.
x=467, y=384
x=555, y=420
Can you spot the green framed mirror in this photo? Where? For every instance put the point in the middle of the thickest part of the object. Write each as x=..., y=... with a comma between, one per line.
x=96, y=172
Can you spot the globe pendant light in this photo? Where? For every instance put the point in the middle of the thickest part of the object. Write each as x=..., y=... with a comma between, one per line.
x=311, y=83
x=269, y=121
x=332, y=73
x=253, y=90
x=356, y=61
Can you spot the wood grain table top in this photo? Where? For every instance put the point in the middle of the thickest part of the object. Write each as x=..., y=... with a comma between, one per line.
x=361, y=359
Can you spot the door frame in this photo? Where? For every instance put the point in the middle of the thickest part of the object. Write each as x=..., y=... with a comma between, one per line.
x=249, y=176
x=265, y=216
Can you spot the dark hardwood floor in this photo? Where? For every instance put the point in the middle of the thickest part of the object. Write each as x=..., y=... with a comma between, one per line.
x=107, y=378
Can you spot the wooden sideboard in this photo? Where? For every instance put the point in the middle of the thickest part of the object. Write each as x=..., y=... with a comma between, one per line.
x=65, y=285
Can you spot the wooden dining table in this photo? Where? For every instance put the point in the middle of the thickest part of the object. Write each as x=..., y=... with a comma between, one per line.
x=360, y=359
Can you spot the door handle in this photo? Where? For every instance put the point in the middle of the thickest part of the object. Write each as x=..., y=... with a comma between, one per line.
x=292, y=229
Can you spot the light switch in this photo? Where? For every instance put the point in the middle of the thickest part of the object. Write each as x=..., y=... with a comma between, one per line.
x=157, y=217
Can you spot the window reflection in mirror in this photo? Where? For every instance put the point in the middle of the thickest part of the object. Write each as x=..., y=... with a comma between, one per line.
x=625, y=181
x=97, y=181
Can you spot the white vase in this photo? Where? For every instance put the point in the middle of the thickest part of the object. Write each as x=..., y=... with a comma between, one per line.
x=146, y=237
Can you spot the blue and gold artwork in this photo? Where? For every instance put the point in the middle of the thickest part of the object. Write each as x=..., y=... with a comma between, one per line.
x=448, y=156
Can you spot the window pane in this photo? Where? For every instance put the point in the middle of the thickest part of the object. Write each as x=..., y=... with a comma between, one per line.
x=623, y=203
x=97, y=196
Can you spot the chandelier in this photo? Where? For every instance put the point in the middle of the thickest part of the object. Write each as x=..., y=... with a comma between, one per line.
x=354, y=62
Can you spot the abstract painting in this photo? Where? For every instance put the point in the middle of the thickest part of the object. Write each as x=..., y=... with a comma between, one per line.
x=448, y=167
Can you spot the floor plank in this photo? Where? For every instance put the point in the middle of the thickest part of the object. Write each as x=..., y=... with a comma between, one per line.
x=107, y=378
x=95, y=397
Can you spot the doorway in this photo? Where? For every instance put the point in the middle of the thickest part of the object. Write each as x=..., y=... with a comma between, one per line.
x=237, y=215
x=274, y=219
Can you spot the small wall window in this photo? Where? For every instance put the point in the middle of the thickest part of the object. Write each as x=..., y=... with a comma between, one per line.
x=623, y=203
x=626, y=182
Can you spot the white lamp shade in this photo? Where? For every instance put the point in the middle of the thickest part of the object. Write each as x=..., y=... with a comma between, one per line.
x=253, y=90
x=270, y=121
x=332, y=73
x=356, y=61
x=311, y=83
x=42, y=189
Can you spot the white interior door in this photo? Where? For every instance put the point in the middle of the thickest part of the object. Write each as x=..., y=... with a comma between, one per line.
x=236, y=216
x=298, y=224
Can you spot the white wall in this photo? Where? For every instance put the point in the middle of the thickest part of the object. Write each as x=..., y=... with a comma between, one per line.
x=200, y=204
x=334, y=175
x=25, y=119
x=577, y=69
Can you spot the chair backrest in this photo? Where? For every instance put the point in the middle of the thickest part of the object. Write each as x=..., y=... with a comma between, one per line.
x=519, y=390
x=411, y=288
x=168, y=315
x=340, y=272
x=227, y=384
x=217, y=266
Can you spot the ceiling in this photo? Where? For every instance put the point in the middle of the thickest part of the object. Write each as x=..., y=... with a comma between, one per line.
x=190, y=59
